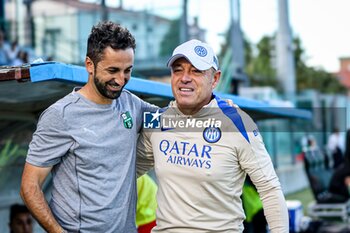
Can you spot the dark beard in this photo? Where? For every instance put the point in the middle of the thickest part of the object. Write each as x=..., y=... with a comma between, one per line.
x=102, y=88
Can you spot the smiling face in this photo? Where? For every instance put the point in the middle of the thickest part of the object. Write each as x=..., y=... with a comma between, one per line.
x=192, y=88
x=109, y=76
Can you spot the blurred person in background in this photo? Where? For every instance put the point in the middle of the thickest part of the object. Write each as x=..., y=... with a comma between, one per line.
x=200, y=173
x=4, y=58
x=13, y=51
x=22, y=58
x=335, y=146
x=340, y=181
x=21, y=220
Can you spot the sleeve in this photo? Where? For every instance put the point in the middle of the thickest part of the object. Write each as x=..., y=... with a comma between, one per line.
x=147, y=107
x=144, y=158
x=255, y=161
x=50, y=141
x=144, y=107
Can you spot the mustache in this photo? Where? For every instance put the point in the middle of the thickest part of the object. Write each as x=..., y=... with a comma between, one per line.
x=113, y=83
x=117, y=84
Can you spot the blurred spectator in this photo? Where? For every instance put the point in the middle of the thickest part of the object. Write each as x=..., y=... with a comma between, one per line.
x=146, y=204
x=301, y=147
x=4, y=59
x=12, y=53
x=21, y=220
x=347, y=183
x=303, y=142
x=311, y=144
x=308, y=142
x=49, y=58
x=335, y=147
x=340, y=180
x=312, y=151
x=22, y=58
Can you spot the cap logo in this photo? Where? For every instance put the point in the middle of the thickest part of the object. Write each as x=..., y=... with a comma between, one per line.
x=200, y=51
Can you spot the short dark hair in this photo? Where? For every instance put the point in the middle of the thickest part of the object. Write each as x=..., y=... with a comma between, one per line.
x=16, y=209
x=106, y=34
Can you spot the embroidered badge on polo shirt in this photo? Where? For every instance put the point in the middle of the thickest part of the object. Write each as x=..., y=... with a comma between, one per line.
x=127, y=120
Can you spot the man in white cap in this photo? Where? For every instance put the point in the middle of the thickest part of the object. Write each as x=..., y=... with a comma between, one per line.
x=202, y=149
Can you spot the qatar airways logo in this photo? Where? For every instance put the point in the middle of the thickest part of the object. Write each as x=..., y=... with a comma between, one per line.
x=185, y=153
x=156, y=120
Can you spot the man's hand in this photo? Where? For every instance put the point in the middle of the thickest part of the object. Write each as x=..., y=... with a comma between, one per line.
x=32, y=180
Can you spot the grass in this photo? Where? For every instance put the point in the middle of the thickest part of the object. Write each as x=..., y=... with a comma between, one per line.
x=305, y=196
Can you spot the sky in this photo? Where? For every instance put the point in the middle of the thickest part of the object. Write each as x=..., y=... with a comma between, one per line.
x=322, y=25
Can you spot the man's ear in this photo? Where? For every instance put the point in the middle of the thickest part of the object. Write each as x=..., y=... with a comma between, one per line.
x=216, y=78
x=89, y=65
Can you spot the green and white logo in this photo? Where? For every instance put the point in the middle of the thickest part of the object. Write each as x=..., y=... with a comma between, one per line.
x=127, y=120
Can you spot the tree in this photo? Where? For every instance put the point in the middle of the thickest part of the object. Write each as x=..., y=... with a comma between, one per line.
x=258, y=67
x=313, y=78
x=260, y=70
x=248, y=52
x=171, y=39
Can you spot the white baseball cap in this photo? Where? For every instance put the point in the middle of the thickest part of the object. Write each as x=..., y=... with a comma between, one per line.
x=200, y=54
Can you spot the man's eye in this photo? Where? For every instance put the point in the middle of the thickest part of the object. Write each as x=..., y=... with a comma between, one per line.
x=197, y=71
x=112, y=71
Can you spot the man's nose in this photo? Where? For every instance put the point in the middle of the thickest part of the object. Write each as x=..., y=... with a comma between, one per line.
x=186, y=78
x=120, y=79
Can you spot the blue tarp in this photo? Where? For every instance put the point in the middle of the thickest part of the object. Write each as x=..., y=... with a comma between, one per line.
x=78, y=74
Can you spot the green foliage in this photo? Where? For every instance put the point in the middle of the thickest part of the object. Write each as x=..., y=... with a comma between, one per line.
x=305, y=196
x=259, y=68
x=171, y=39
x=261, y=72
x=313, y=78
x=248, y=51
x=9, y=152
